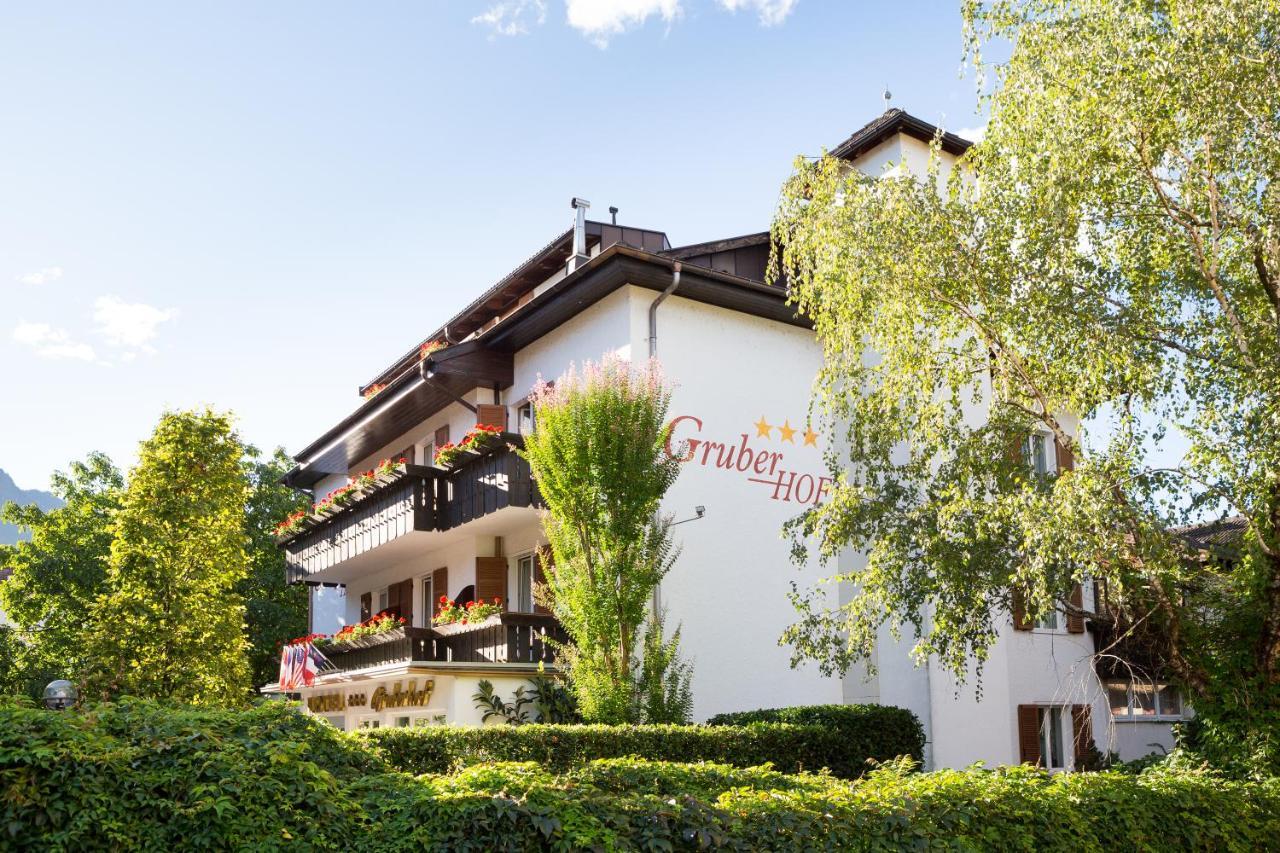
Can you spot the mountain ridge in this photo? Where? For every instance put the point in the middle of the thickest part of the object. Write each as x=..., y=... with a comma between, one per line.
x=10, y=491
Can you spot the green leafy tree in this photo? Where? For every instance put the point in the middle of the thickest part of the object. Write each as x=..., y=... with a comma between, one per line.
x=274, y=610
x=170, y=624
x=1109, y=252
x=665, y=682
x=597, y=456
x=56, y=574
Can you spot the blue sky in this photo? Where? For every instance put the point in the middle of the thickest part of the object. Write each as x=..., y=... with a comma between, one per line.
x=258, y=206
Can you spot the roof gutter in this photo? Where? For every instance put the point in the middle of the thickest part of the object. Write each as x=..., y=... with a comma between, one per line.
x=653, y=309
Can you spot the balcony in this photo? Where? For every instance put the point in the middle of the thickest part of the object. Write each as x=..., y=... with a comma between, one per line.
x=510, y=638
x=390, y=519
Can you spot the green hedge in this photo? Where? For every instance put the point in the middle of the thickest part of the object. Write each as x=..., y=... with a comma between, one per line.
x=790, y=748
x=141, y=776
x=879, y=731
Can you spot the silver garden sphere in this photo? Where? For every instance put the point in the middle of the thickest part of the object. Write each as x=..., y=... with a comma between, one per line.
x=60, y=695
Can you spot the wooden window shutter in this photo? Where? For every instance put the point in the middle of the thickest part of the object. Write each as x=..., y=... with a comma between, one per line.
x=393, y=598
x=1020, y=620
x=492, y=413
x=366, y=606
x=442, y=436
x=1066, y=459
x=1081, y=733
x=540, y=559
x=406, y=600
x=1075, y=619
x=491, y=579
x=439, y=587
x=1029, y=734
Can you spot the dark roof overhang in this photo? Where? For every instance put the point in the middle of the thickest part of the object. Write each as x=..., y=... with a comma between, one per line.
x=890, y=124
x=409, y=399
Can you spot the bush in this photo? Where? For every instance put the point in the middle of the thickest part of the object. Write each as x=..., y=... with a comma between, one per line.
x=790, y=748
x=141, y=776
x=878, y=731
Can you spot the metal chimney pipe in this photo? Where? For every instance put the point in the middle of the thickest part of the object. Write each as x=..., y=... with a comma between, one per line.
x=579, y=256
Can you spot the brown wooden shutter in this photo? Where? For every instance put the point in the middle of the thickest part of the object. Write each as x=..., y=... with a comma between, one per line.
x=442, y=436
x=1075, y=619
x=439, y=587
x=366, y=606
x=540, y=559
x=1066, y=459
x=492, y=413
x=406, y=600
x=1029, y=734
x=393, y=598
x=1020, y=620
x=406, y=455
x=1081, y=733
x=491, y=579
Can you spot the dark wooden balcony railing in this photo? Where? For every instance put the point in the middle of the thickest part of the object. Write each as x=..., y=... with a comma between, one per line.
x=515, y=638
x=484, y=484
x=421, y=498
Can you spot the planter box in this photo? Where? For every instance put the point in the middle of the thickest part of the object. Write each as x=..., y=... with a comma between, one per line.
x=459, y=628
x=365, y=642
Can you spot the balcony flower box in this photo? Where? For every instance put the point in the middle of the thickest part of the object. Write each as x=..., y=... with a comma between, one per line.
x=451, y=628
x=366, y=642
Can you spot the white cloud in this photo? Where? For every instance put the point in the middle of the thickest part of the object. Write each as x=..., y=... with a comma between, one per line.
x=973, y=134
x=49, y=342
x=128, y=325
x=771, y=12
x=513, y=17
x=43, y=276
x=600, y=19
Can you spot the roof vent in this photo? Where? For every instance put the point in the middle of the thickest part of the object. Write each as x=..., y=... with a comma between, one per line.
x=579, y=256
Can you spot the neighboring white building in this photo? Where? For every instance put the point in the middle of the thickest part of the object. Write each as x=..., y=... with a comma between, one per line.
x=743, y=364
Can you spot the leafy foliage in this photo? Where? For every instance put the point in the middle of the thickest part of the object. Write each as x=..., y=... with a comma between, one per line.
x=878, y=730
x=274, y=609
x=665, y=681
x=57, y=574
x=1103, y=267
x=597, y=456
x=171, y=624
x=847, y=751
x=513, y=713
x=138, y=775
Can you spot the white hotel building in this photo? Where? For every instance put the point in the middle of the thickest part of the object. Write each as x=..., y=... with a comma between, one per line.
x=742, y=363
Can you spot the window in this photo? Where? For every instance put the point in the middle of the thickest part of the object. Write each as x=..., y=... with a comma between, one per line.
x=1050, y=621
x=402, y=722
x=1036, y=452
x=524, y=584
x=1143, y=701
x=524, y=418
x=429, y=603
x=1052, y=744
x=384, y=599
x=338, y=721
x=371, y=723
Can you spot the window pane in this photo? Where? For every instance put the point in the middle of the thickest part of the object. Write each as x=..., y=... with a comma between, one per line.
x=1039, y=462
x=1055, y=736
x=1048, y=622
x=402, y=722
x=1170, y=702
x=524, y=584
x=1118, y=697
x=1144, y=700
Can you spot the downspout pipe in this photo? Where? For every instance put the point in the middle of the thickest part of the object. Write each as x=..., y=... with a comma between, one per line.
x=653, y=310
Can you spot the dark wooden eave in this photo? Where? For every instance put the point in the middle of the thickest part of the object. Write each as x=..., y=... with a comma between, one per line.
x=890, y=124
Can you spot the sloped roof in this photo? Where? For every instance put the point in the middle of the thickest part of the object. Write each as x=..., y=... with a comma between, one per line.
x=1214, y=535
x=888, y=125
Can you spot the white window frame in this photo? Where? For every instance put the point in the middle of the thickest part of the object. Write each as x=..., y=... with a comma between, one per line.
x=369, y=721
x=1047, y=716
x=338, y=721
x=522, y=560
x=1050, y=456
x=1157, y=689
x=383, y=597
x=524, y=415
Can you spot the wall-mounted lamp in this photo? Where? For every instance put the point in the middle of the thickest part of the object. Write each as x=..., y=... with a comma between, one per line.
x=699, y=512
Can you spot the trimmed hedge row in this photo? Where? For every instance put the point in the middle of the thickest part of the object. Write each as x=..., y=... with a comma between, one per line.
x=140, y=776
x=789, y=748
x=880, y=731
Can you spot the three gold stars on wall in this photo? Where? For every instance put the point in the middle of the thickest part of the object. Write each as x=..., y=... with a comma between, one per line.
x=786, y=432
